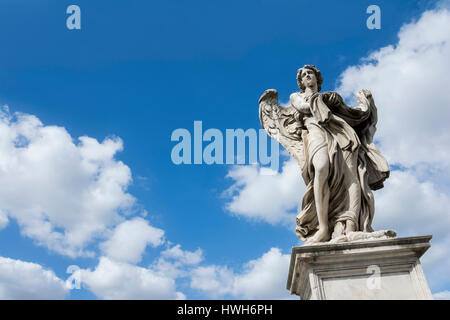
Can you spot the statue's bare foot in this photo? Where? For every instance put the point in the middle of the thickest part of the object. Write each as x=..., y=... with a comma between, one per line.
x=339, y=229
x=321, y=235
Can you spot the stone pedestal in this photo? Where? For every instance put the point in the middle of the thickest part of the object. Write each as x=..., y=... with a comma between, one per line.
x=375, y=269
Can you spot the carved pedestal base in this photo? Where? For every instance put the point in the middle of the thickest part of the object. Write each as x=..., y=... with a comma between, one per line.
x=370, y=269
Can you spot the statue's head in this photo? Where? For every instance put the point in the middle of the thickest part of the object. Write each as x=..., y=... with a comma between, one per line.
x=315, y=75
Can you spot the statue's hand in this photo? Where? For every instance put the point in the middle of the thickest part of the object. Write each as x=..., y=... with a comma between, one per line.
x=367, y=93
x=363, y=95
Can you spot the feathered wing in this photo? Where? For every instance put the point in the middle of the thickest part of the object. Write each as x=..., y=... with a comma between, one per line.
x=283, y=124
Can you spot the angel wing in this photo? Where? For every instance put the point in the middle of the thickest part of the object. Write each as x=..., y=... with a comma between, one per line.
x=283, y=124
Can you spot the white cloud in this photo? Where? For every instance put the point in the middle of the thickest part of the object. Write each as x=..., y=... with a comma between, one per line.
x=409, y=82
x=443, y=295
x=271, y=198
x=118, y=277
x=117, y=280
x=26, y=280
x=183, y=256
x=262, y=278
x=130, y=239
x=3, y=220
x=412, y=207
x=177, y=263
x=214, y=280
x=62, y=194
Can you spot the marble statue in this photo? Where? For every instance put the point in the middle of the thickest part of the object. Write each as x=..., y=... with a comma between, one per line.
x=333, y=145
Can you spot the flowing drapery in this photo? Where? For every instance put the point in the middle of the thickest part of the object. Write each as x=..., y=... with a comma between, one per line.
x=343, y=131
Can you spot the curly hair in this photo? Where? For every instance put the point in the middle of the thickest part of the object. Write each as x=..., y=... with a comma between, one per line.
x=316, y=72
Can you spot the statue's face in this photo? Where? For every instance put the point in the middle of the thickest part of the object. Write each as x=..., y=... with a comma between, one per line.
x=308, y=78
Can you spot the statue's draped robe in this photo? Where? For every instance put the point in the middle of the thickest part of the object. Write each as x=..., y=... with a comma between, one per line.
x=346, y=130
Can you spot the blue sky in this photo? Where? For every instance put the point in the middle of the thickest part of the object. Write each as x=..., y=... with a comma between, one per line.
x=138, y=70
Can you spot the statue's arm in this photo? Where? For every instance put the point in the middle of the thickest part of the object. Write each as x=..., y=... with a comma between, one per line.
x=365, y=100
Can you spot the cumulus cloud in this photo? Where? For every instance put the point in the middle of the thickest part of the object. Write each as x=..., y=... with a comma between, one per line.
x=26, y=280
x=412, y=207
x=118, y=280
x=215, y=280
x=443, y=295
x=130, y=239
x=62, y=193
x=177, y=263
x=262, y=278
x=118, y=277
x=271, y=198
x=3, y=220
x=409, y=82
x=183, y=256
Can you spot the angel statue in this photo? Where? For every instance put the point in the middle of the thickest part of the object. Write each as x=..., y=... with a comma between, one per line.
x=333, y=145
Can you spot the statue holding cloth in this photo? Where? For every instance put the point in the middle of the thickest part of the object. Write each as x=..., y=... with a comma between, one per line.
x=333, y=145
